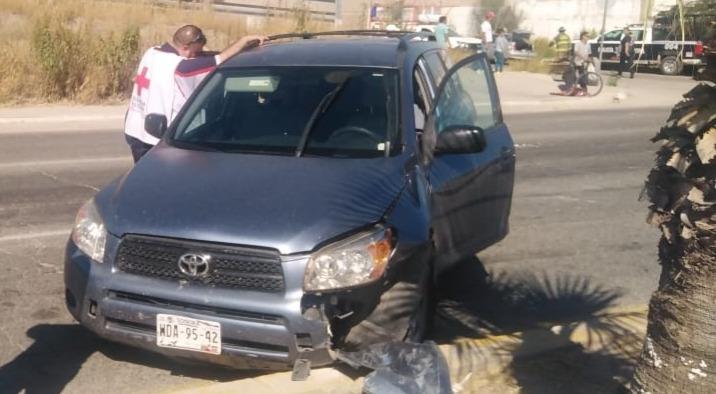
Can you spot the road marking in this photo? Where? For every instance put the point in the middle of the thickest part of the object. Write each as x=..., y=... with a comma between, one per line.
x=46, y=163
x=60, y=119
x=34, y=235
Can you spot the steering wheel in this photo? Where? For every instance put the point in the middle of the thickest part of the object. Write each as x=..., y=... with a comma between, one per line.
x=357, y=130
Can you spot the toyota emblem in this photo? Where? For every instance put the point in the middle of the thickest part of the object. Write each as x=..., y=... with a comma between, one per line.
x=194, y=265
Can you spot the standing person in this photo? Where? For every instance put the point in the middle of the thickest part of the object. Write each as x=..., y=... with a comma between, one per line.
x=502, y=48
x=626, y=54
x=441, y=31
x=166, y=76
x=562, y=44
x=486, y=34
x=582, y=58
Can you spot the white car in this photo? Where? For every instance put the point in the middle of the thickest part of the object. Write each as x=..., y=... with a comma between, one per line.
x=454, y=39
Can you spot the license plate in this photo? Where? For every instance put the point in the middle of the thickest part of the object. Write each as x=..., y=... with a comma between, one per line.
x=608, y=50
x=178, y=332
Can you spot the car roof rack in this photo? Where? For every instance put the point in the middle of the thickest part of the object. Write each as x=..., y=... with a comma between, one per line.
x=404, y=36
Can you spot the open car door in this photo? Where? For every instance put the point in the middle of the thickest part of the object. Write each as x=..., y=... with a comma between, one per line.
x=471, y=161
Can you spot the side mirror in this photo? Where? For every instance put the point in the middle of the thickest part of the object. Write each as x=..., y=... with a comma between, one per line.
x=460, y=139
x=155, y=125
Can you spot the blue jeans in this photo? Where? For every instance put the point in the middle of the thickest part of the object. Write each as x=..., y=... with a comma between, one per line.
x=499, y=61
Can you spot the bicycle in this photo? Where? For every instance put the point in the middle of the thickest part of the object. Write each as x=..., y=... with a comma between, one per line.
x=594, y=83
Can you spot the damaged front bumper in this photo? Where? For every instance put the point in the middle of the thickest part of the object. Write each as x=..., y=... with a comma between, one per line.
x=259, y=330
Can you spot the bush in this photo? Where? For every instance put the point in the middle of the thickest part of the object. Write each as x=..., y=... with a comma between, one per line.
x=60, y=53
x=115, y=59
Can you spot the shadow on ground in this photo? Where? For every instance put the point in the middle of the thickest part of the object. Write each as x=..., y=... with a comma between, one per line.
x=59, y=351
x=551, y=312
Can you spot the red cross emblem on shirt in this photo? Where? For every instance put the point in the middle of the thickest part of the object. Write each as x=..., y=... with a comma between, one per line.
x=142, y=81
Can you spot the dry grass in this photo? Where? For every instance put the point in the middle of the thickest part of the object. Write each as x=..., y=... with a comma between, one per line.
x=86, y=50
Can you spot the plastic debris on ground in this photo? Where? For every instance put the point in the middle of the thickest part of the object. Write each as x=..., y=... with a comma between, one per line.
x=402, y=368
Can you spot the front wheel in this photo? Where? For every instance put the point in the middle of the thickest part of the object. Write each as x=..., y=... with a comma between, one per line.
x=594, y=84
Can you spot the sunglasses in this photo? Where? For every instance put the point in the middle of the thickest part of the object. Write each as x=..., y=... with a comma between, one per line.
x=200, y=38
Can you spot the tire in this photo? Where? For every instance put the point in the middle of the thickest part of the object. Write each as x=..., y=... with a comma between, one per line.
x=595, y=84
x=670, y=65
x=421, y=322
x=404, y=313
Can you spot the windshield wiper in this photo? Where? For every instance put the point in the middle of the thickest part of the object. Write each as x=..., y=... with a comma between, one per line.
x=325, y=103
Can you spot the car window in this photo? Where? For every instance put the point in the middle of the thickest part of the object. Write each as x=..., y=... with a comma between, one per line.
x=660, y=34
x=614, y=35
x=465, y=98
x=447, y=61
x=637, y=35
x=321, y=110
x=421, y=102
x=435, y=66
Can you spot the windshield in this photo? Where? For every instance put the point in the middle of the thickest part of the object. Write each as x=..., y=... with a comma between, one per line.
x=294, y=110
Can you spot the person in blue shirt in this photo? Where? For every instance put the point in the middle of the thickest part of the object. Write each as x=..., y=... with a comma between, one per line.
x=441, y=31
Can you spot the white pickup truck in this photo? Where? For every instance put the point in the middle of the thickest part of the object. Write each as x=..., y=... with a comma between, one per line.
x=455, y=40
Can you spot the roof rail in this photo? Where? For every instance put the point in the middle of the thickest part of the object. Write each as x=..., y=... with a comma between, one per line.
x=404, y=36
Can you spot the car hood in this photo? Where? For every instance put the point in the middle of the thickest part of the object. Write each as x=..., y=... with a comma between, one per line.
x=286, y=203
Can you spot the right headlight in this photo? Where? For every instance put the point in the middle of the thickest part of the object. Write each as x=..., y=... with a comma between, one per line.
x=89, y=233
x=356, y=260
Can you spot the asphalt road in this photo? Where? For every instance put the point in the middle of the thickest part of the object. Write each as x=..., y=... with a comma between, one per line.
x=578, y=244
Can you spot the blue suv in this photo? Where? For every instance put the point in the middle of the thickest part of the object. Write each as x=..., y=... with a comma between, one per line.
x=301, y=204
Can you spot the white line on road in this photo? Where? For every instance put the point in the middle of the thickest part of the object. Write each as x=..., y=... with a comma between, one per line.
x=60, y=119
x=34, y=235
x=46, y=163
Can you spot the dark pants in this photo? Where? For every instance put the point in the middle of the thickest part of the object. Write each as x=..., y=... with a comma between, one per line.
x=138, y=147
x=626, y=63
x=574, y=75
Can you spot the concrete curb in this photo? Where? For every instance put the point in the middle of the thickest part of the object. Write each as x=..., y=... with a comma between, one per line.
x=618, y=330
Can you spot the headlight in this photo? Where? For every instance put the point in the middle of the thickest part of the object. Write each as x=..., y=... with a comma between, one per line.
x=356, y=260
x=89, y=233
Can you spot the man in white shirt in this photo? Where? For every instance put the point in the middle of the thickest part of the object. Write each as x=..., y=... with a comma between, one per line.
x=166, y=77
x=582, y=57
x=486, y=34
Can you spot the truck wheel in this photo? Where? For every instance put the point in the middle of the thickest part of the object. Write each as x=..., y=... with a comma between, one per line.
x=670, y=65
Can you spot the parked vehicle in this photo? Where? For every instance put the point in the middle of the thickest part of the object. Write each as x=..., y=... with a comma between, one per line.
x=520, y=45
x=660, y=49
x=455, y=40
x=300, y=205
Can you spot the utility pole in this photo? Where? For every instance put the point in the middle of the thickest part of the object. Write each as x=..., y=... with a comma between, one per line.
x=601, y=40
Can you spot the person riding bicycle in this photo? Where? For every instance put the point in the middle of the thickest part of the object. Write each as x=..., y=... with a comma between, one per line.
x=576, y=76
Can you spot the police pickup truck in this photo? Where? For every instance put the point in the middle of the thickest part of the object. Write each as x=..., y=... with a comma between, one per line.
x=659, y=45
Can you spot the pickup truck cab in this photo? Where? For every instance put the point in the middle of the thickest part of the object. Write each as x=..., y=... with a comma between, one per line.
x=300, y=204
x=455, y=40
x=660, y=49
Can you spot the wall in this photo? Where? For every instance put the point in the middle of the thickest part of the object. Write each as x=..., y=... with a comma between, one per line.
x=544, y=17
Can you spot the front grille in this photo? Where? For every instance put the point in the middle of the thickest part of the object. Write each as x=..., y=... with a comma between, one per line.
x=230, y=267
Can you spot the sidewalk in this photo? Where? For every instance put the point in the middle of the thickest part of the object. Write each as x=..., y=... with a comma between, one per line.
x=62, y=117
x=501, y=363
x=523, y=92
